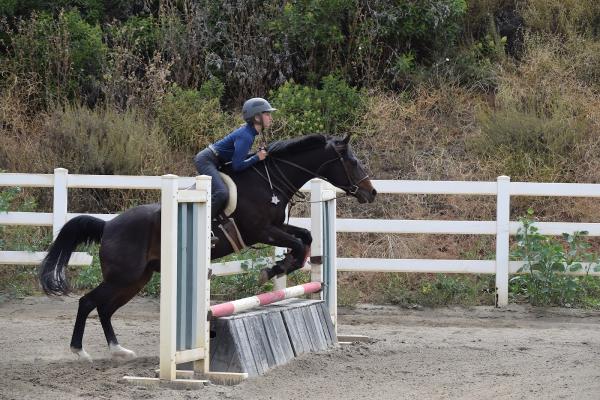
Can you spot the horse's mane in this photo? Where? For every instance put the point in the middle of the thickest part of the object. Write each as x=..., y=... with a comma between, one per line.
x=296, y=145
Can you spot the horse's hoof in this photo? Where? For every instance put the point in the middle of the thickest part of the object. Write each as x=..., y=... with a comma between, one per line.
x=82, y=354
x=121, y=353
x=263, y=277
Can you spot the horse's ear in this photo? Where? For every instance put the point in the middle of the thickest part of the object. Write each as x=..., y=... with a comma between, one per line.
x=340, y=145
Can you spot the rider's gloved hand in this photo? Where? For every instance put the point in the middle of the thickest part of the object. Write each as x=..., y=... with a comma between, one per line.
x=262, y=153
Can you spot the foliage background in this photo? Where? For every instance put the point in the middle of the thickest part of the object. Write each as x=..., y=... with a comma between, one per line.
x=431, y=89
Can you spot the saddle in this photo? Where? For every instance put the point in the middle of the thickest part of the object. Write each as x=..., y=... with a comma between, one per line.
x=226, y=224
x=232, y=201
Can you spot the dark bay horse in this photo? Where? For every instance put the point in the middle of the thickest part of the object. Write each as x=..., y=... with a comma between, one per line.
x=130, y=243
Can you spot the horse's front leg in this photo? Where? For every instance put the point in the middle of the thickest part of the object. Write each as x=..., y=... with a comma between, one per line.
x=305, y=236
x=279, y=237
x=300, y=233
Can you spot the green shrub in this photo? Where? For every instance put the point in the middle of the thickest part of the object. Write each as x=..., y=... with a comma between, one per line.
x=8, y=8
x=141, y=35
x=431, y=24
x=314, y=32
x=348, y=296
x=91, y=10
x=25, y=238
x=366, y=41
x=64, y=54
x=438, y=290
x=448, y=289
x=236, y=286
x=89, y=276
x=212, y=89
x=544, y=280
x=136, y=72
x=191, y=118
x=6, y=197
x=301, y=109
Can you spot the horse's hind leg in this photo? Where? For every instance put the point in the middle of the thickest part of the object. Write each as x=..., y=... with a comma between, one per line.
x=107, y=297
x=86, y=304
x=119, y=296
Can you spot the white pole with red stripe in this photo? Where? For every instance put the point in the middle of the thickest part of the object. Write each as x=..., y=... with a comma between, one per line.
x=232, y=307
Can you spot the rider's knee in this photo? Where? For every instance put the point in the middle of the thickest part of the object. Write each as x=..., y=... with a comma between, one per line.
x=220, y=197
x=198, y=161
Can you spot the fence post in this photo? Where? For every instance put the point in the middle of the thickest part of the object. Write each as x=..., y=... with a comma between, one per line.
x=502, y=240
x=168, y=278
x=330, y=252
x=203, y=280
x=60, y=200
x=316, y=229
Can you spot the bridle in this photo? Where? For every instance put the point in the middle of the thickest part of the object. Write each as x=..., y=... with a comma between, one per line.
x=351, y=189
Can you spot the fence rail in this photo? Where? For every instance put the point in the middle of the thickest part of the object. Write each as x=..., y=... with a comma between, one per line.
x=501, y=228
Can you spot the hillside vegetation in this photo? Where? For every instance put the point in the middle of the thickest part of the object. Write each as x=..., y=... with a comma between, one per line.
x=430, y=89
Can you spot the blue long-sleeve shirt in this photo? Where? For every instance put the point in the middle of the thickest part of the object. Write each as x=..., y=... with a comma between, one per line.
x=235, y=147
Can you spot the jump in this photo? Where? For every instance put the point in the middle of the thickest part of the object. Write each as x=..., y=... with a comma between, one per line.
x=130, y=243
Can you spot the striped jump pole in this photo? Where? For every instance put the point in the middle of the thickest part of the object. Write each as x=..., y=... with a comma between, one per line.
x=232, y=307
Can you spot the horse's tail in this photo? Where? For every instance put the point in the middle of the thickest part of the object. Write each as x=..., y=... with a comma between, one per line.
x=82, y=229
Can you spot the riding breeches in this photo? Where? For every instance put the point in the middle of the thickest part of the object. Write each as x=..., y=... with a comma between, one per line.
x=207, y=163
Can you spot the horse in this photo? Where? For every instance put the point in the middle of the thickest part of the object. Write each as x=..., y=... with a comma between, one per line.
x=130, y=243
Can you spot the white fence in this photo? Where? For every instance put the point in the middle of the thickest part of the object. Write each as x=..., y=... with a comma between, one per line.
x=502, y=227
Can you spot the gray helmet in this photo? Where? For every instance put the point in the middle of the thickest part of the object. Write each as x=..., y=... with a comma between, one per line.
x=254, y=107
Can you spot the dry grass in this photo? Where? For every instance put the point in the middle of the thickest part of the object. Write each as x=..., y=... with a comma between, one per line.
x=426, y=134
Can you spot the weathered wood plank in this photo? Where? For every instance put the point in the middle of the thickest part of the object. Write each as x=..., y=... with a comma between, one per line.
x=259, y=340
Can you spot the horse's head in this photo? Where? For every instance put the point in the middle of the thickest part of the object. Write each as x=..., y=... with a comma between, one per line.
x=346, y=172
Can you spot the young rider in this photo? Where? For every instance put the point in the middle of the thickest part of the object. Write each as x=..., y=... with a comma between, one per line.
x=234, y=148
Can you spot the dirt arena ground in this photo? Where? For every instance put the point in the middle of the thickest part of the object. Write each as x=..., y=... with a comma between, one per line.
x=447, y=353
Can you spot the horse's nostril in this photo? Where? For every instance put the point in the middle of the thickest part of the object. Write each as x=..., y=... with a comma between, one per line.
x=374, y=192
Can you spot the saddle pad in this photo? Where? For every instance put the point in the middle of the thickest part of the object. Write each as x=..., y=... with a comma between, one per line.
x=232, y=201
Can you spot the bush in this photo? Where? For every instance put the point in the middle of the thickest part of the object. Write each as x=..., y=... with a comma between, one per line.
x=562, y=17
x=547, y=260
x=367, y=42
x=135, y=73
x=21, y=237
x=313, y=33
x=541, y=122
x=91, y=9
x=226, y=39
x=105, y=141
x=89, y=276
x=525, y=145
x=139, y=34
x=301, y=109
x=64, y=55
x=192, y=119
x=435, y=290
x=6, y=198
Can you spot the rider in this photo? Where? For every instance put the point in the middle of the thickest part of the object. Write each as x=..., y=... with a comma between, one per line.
x=234, y=148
